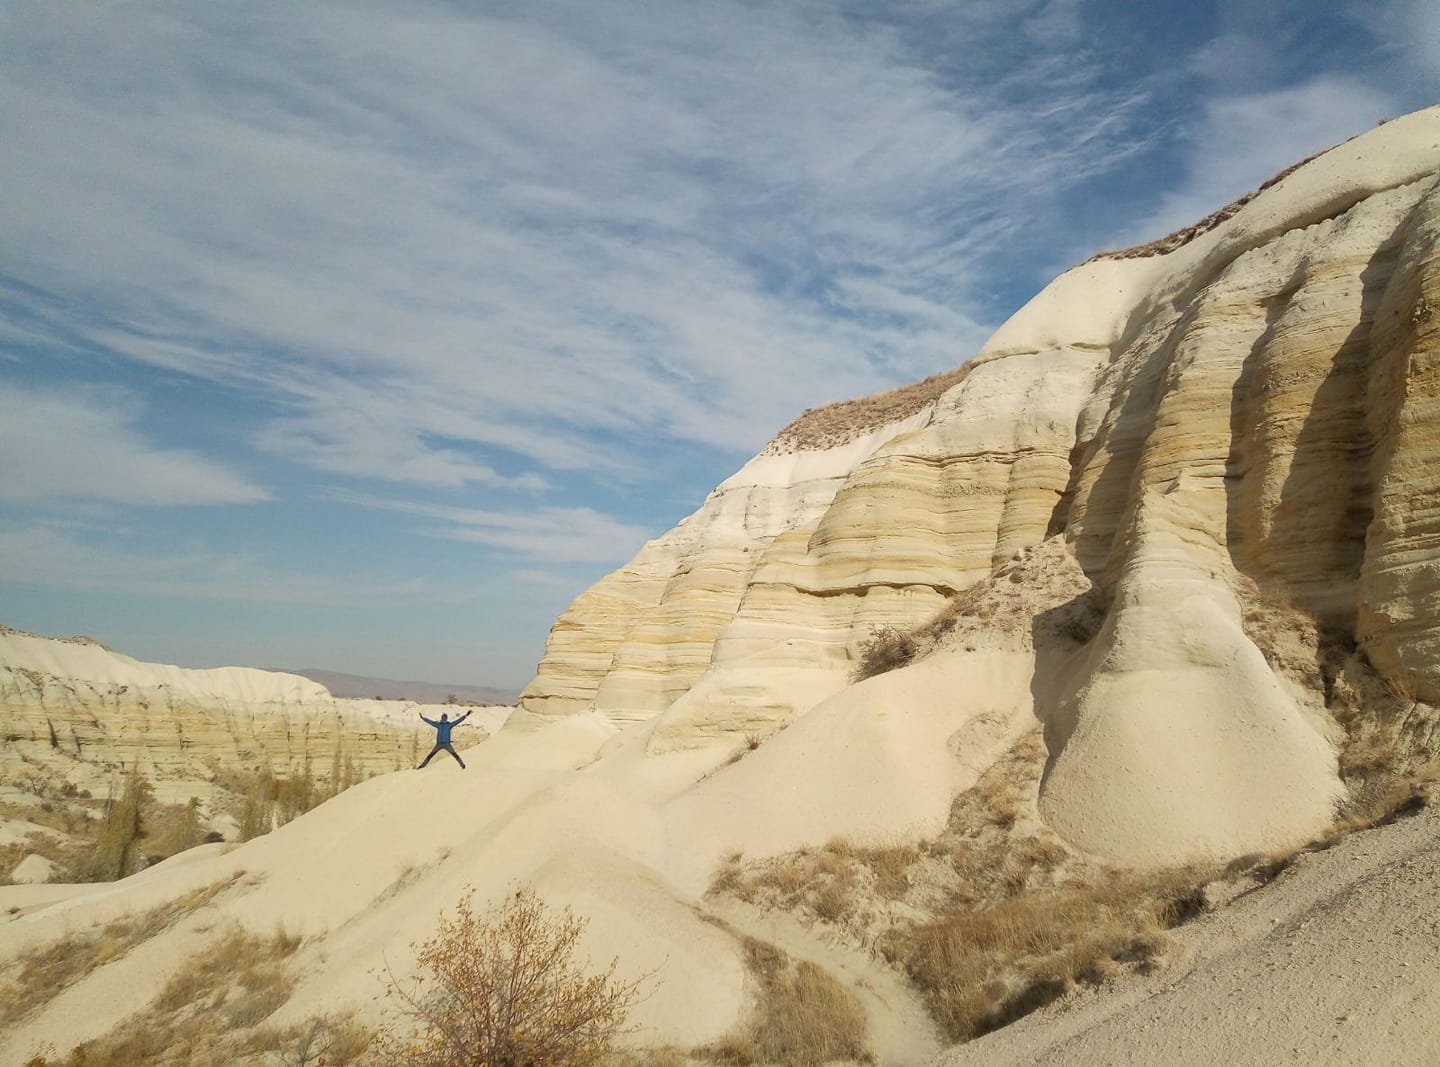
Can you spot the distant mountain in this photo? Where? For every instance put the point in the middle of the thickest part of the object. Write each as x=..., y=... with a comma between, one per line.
x=357, y=685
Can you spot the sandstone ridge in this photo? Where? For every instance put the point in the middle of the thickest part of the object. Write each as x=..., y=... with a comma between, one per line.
x=1245, y=416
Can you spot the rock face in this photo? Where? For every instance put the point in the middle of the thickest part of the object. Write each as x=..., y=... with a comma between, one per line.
x=1253, y=410
x=78, y=710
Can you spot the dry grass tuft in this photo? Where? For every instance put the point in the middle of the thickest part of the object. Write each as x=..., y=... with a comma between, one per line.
x=209, y=1009
x=324, y=1039
x=664, y=1056
x=44, y=972
x=803, y=1015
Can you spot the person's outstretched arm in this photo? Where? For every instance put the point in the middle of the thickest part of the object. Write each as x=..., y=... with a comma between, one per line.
x=463, y=718
x=431, y=722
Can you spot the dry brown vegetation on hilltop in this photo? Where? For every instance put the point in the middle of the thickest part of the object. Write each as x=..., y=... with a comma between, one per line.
x=1183, y=236
x=837, y=424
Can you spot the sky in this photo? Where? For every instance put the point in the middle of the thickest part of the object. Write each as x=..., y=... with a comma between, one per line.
x=367, y=336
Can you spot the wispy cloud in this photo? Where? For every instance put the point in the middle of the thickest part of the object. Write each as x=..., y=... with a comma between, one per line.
x=693, y=228
x=82, y=445
x=550, y=534
x=1411, y=30
x=1243, y=140
x=63, y=556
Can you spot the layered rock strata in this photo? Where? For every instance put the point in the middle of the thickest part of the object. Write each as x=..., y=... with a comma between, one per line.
x=75, y=709
x=1249, y=410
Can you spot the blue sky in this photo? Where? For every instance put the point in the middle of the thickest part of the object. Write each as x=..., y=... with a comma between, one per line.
x=366, y=336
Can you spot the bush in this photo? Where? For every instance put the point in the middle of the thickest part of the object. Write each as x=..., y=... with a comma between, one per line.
x=505, y=990
x=886, y=649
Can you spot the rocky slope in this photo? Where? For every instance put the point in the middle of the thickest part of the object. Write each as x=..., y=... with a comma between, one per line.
x=1155, y=574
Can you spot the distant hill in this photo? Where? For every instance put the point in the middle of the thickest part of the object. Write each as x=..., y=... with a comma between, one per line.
x=357, y=685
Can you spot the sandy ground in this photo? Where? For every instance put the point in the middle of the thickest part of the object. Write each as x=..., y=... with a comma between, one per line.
x=1336, y=962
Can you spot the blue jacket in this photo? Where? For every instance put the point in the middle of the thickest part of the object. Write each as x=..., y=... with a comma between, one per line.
x=444, y=726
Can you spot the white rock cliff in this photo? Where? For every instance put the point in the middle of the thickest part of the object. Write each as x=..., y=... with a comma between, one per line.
x=1252, y=409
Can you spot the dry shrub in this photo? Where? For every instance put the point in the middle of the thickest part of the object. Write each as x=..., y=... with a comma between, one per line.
x=264, y=800
x=981, y=969
x=505, y=990
x=886, y=649
x=173, y=828
x=803, y=1017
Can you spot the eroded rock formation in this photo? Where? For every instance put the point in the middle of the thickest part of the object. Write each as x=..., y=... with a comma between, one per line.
x=80, y=712
x=1252, y=409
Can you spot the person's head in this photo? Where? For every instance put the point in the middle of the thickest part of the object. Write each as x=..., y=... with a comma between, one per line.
x=444, y=716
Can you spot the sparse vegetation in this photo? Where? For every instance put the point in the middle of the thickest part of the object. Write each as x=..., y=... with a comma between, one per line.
x=993, y=918
x=1387, y=756
x=323, y=1039
x=803, y=1015
x=888, y=648
x=1038, y=597
x=981, y=969
x=836, y=424
x=211, y=1009
x=1183, y=236
x=505, y=989
x=266, y=800
x=42, y=973
x=116, y=849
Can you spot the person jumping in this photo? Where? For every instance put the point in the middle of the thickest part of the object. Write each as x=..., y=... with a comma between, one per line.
x=442, y=737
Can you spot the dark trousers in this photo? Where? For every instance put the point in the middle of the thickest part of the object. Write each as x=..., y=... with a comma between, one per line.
x=442, y=748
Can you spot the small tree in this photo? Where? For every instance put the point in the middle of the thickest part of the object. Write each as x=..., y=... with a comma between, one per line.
x=115, y=853
x=505, y=990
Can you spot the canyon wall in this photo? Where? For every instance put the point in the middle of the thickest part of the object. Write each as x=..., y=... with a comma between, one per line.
x=79, y=712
